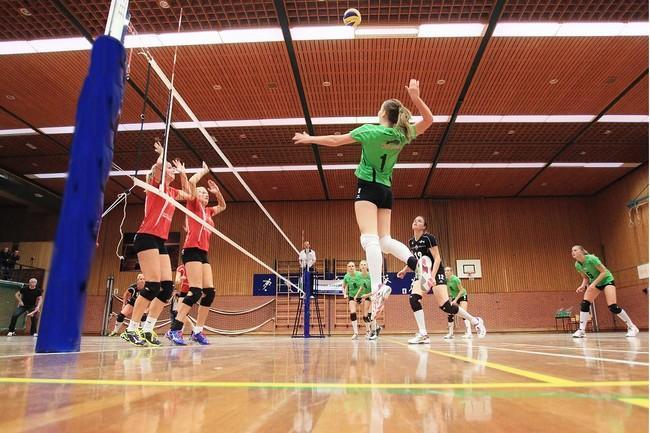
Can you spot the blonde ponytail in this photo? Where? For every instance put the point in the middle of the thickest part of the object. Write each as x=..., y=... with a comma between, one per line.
x=399, y=116
x=404, y=122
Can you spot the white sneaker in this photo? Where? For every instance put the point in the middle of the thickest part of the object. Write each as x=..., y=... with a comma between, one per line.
x=35, y=334
x=424, y=264
x=579, y=334
x=10, y=334
x=480, y=328
x=378, y=300
x=632, y=331
x=449, y=336
x=373, y=335
x=355, y=336
x=420, y=339
x=468, y=336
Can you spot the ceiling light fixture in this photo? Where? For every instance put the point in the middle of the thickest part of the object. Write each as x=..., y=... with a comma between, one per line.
x=217, y=87
x=10, y=97
x=326, y=84
x=163, y=4
x=25, y=12
x=553, y=81
x=440, y=82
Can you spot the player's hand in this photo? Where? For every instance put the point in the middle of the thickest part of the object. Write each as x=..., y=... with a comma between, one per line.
x=413, y=89
x=580, y=289
x=205, y=167
x=401, y=274
x=212, y=187
x=179, y=166
x=302, y=138
x=158, y=147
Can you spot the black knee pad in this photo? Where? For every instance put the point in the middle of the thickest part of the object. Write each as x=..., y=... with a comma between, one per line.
x=366, y=319
x=584, y=306
x=208, y=297
x=150, y=291
x=414, y=300
x=121, y=317
x=353, y=317
x=369, y=317
x=144, y=317
x=192, y=297
x=448, y=308
x=614, y=308
x=450, y=318
x=412, y=263
x=166, y=290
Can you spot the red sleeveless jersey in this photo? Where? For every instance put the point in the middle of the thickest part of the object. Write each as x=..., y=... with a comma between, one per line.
x=158, y=213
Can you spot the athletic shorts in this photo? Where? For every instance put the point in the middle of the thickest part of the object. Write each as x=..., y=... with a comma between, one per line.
x=462, y=299
x=182, y=294
x=352, y=299
x=131, y=301
x=194, y=255
x=145, y=241
x=376, y=193
x=602, y=286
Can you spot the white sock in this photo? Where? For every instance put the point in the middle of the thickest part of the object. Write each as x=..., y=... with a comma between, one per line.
x=149, y=324
x=396, y=248
x=198, y=329
x=450, y=327
x=355, y=327
x=133, y=326
x=374, y=258
x=625, y=318
x=118, y=325
x=465, y=315
x=419, y=318
x=584, y=317
x=468, y=327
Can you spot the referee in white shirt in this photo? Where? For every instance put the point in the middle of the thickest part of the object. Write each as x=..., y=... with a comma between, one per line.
x=307, y=257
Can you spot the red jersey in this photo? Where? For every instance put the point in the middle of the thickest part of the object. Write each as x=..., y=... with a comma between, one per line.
x=197, y=235
x=158, y=213
x=185, y=285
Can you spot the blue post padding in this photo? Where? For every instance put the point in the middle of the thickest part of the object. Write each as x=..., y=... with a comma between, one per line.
x=306, y=278
x=91, y=155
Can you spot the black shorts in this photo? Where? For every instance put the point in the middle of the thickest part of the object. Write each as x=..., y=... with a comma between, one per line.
x=145, y=241
x=194, y=255
x=440, y=277
x=602, y=286
x=131, y=301
x=182, y=294
x=462, y=299
x=352, y=299
x=376, y=193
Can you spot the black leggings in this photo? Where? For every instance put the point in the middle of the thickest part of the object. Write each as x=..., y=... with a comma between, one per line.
x=19, y=312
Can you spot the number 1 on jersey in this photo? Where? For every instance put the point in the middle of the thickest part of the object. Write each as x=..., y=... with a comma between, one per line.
x=383, y=161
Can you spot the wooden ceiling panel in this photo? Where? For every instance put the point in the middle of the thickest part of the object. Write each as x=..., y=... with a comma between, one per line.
x=364, y=73
x=254, y=80
x=573, y=181
x=287, y=185
x=575, y=10
x=478, y=182
x=635, y=101
x=515, y=74
x=341, y=184
x=7, y=121
x=408, y=183
x=605, y=153
x=44, y=21
x=616, y=133
x=513, y=133
x=36, y=164
x=17, y=145
x=394, y=12
x=499, y=152
x=290, y=155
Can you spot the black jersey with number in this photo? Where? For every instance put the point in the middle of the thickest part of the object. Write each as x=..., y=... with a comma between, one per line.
x=421, y=247
x=133, y=290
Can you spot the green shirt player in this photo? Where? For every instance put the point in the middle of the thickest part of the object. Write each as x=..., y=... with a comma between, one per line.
x=458, y=295
x=596, y=278
x=352, y=288
x=380, y=147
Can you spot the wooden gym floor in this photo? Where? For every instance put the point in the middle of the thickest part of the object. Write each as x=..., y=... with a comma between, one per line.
x=505, y=383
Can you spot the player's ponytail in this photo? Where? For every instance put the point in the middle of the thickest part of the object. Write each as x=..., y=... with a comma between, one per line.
x=399, y=116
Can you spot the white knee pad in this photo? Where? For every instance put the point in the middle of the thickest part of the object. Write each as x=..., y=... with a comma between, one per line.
x=385, y=243
x=369, y=240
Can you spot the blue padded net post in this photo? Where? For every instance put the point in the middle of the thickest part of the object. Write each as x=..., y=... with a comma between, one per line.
x=91, y=155
x=306, y=284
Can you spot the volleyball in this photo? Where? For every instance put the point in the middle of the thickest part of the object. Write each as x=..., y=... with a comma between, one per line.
x=352, y=17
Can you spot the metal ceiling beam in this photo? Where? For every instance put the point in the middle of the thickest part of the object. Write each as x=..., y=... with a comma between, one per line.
x=583, y=130
x=288, y=41
x=86, y=34
x=494, y=18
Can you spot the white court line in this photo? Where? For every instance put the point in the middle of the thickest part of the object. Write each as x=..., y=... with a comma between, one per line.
x=559, y=355
x=578, y=348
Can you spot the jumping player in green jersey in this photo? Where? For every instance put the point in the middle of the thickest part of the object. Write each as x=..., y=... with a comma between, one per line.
x=458, y=295
x=364, y=294
x=596, y=278
x=380, y=147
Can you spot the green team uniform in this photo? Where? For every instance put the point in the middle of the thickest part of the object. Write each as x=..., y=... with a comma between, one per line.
x=380, y=146
x=353, y=283
x=589, y=268
x=366, y=285
x=454, y=284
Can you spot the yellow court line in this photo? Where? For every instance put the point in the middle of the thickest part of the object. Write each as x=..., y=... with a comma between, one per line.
x=643, y=402
x=302, y=385
x=512, y=370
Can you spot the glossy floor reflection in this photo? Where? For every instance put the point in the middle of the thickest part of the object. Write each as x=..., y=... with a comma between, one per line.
x=504, y=383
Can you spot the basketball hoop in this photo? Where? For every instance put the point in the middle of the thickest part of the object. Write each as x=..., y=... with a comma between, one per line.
x=470, y=275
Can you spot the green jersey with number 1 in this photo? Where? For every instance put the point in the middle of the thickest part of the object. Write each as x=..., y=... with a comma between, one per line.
x=380, y=146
